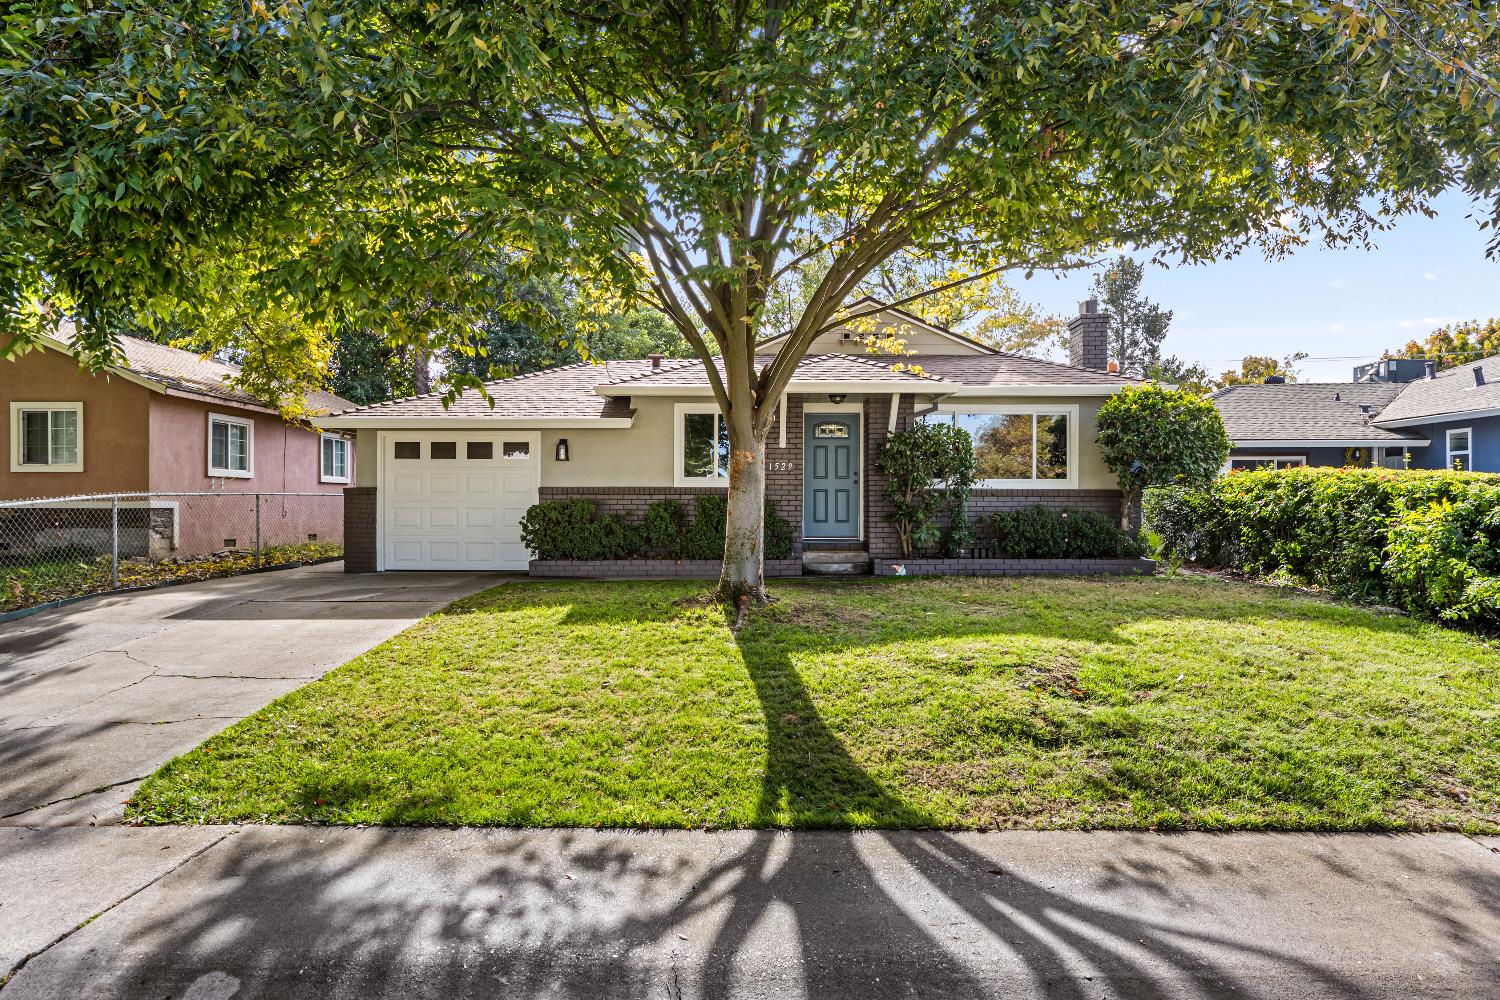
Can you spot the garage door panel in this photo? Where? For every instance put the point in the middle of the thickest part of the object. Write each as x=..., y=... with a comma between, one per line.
x=438, y=516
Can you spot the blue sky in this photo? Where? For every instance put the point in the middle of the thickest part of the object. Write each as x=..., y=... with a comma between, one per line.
x=1339, y=305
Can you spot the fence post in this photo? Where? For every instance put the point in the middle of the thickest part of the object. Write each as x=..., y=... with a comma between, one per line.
x=114, y=542
x=257, y=529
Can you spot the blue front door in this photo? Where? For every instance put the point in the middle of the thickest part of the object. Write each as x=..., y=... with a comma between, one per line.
x=830, y=477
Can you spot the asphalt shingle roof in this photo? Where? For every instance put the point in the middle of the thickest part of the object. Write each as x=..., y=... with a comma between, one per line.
x=556, y=393
x=1453, y=391
x=816, y=368
x=1307, y=411
x=187, y=371
x=1001, y=370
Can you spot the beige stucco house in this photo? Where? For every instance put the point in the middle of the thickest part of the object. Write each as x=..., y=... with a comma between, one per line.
x=445, y=488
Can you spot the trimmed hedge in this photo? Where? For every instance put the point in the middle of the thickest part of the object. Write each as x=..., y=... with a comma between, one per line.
x=574, y=529
x=1428, y=542
x=1040, y=532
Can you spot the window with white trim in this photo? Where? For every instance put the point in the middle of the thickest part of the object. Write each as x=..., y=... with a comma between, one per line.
x=1250, y=463
x=46, y=437
x=231, y=446
x=702, y=445
x=333, y=461
x=1017, y=445
x=1460, y=448
x=1388, y=457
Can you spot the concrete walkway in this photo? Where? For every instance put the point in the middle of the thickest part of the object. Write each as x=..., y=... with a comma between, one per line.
x=214, y=914
x=97, y=695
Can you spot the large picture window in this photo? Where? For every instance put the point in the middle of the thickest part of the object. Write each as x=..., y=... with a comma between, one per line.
x=702, y=445
x=46, y=437
x=231, y=446
x=1018, y=446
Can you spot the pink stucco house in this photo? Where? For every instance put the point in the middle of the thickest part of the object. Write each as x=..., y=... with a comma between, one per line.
x=167, y=421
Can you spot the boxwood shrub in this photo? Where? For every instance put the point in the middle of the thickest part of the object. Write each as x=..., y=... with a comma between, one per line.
x=1425, y=541
x=1039, y=532
x=574, y=529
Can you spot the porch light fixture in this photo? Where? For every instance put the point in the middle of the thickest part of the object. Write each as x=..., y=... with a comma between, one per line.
x=836, y=397
x=562, y=449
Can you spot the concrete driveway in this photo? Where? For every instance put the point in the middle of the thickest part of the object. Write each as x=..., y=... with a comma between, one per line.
x=97, y=695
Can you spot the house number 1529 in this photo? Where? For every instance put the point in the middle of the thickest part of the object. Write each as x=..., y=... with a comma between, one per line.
x=779, y=466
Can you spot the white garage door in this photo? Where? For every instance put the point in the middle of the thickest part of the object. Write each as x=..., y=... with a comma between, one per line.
x=454, y=501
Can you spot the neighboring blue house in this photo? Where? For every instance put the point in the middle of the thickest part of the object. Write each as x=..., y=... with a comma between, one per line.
x=1399, y=413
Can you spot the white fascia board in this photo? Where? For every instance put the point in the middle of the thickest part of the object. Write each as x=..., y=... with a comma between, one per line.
x=1440, y=418
x=1050, y=389
x=877, y=387
x=1336, y=443
x=373, y=422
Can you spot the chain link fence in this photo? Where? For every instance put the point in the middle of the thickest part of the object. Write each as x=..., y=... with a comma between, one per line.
x=53, y=548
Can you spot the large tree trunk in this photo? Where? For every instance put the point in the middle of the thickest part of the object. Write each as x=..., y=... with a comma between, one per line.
x=743, y=573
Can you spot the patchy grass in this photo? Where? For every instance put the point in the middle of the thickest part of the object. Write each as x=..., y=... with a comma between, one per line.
x=1133, y=703
x=54, y=577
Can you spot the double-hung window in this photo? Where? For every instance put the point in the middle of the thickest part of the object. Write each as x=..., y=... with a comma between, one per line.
x=1460, y=448
x=231, y=446
x=701, y=454
x=334, y=459
x=46, y=437
x=1019, y=446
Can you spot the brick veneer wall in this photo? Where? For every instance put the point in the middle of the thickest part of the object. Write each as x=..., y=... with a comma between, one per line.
x=359, y=529
x=982, y=502
x=651, y=569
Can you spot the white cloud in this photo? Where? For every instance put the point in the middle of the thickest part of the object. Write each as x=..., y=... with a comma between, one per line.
x=1335, y=327
x=1429, y=275
x=1429, y=321
x=1336, y=283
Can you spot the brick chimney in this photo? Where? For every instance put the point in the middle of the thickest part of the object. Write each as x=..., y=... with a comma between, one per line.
x=1088, y=337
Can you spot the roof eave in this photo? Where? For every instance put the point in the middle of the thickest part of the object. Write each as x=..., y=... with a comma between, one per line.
x=884, y=387
x=1445, y=417
x=376, y=421
x=1331, y=442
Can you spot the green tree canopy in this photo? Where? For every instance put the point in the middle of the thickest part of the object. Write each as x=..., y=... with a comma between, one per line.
x=1255, y=369
x=1137, y=326
x=1456, y=343
x=346, y=158
x=1151, y=436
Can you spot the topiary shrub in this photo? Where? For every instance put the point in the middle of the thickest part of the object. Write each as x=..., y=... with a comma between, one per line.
x=1150, y=436
x=661, y=528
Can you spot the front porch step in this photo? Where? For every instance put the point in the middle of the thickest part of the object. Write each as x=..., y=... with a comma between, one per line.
x=837, y=562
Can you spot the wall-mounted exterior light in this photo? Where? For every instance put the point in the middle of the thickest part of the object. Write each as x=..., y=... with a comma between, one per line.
x=836, y=397
x=562, y=449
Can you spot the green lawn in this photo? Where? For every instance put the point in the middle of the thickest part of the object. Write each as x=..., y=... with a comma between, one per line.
x=1170, y=702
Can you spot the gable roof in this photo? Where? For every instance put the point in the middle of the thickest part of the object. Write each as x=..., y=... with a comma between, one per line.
x=174, y=370
x=554, y=396
x=1309, y=412
x=1453, y=392
x=839, y=369
x=904, y=317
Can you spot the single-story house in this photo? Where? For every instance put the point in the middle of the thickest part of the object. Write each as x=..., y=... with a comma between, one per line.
x=445, y=487
x=1397, y=413
x=165, y=421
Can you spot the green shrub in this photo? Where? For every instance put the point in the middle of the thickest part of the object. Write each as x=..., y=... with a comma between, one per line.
x=661, y=528
x=1039, y=532
x=572, y=529
x=1151, y=436
x=704, y=538
x=1425, y=541
x=929, y=473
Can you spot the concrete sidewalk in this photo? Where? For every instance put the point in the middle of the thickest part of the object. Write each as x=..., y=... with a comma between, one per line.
x=95, y=696
x=213, y=914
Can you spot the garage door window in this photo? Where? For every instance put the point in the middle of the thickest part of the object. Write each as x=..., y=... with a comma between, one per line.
x=479, y=451
x=516, y=449
x=408, y=449
x=443, y=449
